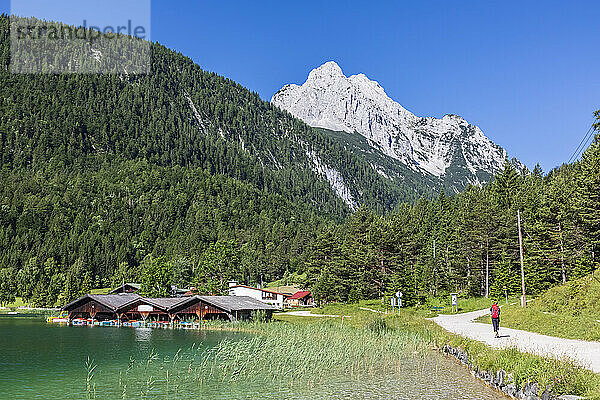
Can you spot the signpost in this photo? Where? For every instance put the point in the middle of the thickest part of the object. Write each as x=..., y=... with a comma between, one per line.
x=505, y=293
x=454, y=302
x=399, y=295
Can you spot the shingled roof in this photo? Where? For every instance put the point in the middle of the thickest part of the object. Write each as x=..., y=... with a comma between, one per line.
x=121, y=289
x=236, y=303
x=110, y=301
x=166, y=303
x=116, y=302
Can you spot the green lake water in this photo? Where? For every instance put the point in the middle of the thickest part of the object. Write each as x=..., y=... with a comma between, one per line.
x=46, y=361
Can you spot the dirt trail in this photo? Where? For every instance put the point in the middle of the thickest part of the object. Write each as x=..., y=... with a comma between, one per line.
x=585, y=354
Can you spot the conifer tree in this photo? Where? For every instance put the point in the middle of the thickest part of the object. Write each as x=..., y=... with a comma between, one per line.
x=588, y=192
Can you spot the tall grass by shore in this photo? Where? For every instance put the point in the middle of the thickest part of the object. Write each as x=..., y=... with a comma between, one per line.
x=277, y=354
x=559, y=375
x=304, y=352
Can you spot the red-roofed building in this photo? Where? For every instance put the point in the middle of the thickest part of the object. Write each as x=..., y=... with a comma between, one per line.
x=301, y=298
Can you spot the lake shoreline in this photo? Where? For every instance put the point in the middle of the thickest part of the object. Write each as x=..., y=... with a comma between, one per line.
x=555, y=377
x=314, y=361
x=481, y=361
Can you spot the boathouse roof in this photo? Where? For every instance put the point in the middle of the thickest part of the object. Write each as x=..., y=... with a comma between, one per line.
x=116, y=302
x=236, y=303
x=166, y=303
x=110, y=301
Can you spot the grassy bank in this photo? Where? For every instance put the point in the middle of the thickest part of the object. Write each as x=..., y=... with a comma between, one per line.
x=571, y=311
x=535, y=319
x=14, y=307
x=276, y=355
x=20, y=303
x=15, y=304
x=559, y=375
x=425, y=310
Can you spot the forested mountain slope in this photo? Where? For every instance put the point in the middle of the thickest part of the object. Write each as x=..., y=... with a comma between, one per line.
x=100, y=171
x=181, y=115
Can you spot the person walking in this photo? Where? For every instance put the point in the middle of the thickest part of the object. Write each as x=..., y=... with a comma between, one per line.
x=495, y=313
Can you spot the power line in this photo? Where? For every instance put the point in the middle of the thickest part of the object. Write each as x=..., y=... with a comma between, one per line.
x=587, y=143
x=581, y=145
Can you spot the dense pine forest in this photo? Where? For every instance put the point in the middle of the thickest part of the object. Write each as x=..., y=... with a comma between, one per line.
x=185, y=177
x=103, y=171
x=468, y=243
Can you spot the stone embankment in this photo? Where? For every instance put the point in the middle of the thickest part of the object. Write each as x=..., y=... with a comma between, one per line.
x=503, y=381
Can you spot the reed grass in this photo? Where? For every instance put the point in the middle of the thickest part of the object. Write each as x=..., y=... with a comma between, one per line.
x=300, y=352
x=90, y=385
x=559, y=375
x=276, y=354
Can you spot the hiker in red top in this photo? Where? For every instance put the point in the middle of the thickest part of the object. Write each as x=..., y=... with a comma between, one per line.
x=495, y=312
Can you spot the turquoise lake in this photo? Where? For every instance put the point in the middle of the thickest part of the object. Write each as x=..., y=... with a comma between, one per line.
x=46, y=361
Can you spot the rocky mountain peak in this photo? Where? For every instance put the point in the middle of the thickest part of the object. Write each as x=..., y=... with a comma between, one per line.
x=328, y=71
x=356, y=104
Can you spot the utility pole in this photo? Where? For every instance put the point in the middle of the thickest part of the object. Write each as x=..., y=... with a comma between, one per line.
x=434, y=269
x=487, y=267
x=523, y=299
x=563, y=270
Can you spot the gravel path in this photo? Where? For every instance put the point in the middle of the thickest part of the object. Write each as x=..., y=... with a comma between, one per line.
x=585, y=354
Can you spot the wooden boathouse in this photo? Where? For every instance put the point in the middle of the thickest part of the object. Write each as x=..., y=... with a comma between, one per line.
x=125, y=307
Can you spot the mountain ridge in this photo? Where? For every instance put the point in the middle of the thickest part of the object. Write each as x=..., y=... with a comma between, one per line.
x=449, y=147
x=183, y=116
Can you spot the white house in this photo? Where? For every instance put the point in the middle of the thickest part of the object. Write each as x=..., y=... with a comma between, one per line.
x=266, y=296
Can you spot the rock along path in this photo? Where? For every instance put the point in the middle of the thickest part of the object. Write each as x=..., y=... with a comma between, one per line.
x=585, y=354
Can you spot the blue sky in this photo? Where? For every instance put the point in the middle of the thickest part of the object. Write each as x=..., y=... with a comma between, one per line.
x=527, y=73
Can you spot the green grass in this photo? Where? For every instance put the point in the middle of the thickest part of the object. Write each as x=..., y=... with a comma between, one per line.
x=571, y=311
x=278, y=353
x=14, y=305
x=100, y=291
x=353, y=308
x=562, y=325
x=17, y=303
x=297, y=320
x=309, y=349
x=560, y=375
x=291, y=280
